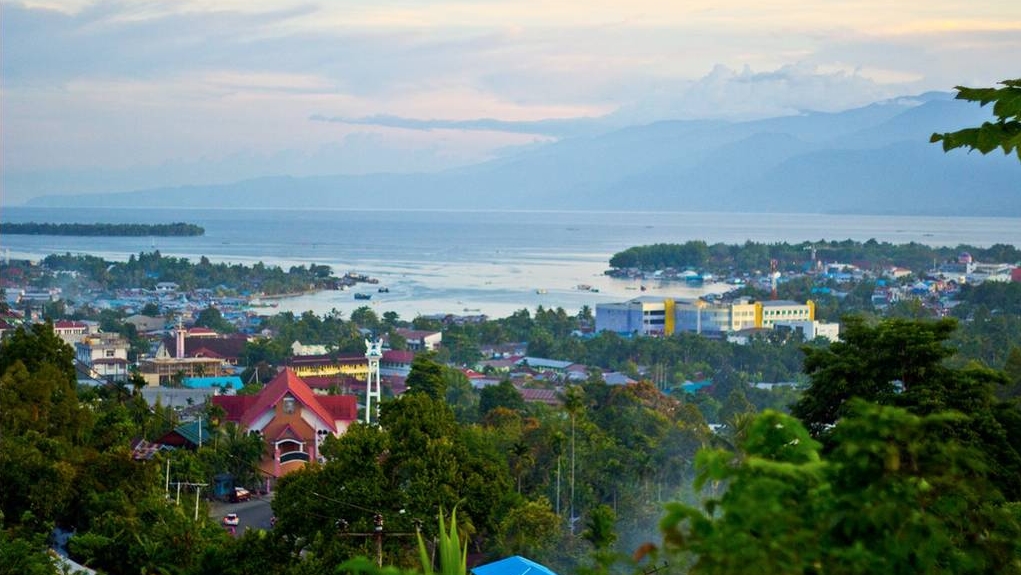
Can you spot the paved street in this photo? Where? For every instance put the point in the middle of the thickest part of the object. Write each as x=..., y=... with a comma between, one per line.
x=254, y=514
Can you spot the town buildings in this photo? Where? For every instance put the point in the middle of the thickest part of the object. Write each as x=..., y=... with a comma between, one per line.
x=292, y=420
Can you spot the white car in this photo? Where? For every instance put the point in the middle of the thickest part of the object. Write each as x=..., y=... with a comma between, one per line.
x=231, y=520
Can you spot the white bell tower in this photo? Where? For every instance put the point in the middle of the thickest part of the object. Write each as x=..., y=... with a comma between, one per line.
x=373, y=388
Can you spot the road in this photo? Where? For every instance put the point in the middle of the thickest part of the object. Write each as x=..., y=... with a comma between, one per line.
x=253, y=514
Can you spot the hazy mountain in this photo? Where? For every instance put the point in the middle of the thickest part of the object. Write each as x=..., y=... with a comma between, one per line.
x=874, y=159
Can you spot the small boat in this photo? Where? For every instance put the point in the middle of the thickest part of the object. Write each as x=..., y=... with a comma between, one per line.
x=363, y=296
x=541, y=291
x=383, y=290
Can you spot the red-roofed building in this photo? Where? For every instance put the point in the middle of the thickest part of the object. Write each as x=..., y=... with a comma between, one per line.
x=547, y=396
x=396, y=362
x=70, y=331
x=291, y=418
x=208, y=344
x=5, y=328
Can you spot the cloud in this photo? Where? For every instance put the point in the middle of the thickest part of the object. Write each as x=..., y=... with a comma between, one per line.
x=126, y=84
x=558, y=128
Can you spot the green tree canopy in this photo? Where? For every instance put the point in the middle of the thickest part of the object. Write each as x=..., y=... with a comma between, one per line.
x=894, y=495
x=427, y=376
x=212, y=318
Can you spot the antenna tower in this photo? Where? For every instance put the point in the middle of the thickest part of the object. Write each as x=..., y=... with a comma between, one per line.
x=373, y=353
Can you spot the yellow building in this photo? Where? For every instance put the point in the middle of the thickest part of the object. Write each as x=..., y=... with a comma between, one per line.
x=348, y=364
x=771, y=312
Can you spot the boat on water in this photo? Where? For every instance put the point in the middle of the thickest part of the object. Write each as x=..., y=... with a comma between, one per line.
x=363, y=296
x=384, y=290
x=541, y=291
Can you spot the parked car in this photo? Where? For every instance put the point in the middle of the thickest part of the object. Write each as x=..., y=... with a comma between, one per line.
x=240, y=494
x=231, y=520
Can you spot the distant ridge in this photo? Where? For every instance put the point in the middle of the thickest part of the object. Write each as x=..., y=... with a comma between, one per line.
x=870, y=160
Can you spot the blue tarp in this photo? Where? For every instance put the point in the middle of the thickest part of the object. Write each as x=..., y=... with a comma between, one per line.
x=694, y=386
x=516, y=565
x=230, y=381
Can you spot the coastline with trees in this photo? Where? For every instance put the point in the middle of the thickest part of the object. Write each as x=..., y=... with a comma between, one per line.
x=176, y=229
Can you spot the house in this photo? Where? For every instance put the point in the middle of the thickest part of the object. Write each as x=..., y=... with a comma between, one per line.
x=534, y=395
x=163, y=368
x=421, y=340
x=5, y=328
x=105, y=354
x=811, y=329
x=298, y=348
x=292, y=420
x=146, y=324
x=541, y=364
x=204, y=342
x=71, y=331
x=191, y=435
x=395, y=362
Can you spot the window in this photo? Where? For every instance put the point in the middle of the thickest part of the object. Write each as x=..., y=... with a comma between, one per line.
x=288, y=405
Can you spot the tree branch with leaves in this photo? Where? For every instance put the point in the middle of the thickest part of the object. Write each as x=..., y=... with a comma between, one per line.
x=1003, y=133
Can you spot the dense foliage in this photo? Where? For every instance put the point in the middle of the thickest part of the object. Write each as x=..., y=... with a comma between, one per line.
x=148, y=269
x=49, y=229
x=936, y=438
x=750, y=256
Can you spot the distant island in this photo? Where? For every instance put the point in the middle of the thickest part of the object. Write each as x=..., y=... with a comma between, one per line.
x=47, y=229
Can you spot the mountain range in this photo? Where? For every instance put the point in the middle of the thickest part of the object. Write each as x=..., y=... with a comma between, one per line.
x=871, y=160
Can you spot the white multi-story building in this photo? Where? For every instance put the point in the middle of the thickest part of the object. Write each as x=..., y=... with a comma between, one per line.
x=812, y=329
x=421, y=340
x=106, y=354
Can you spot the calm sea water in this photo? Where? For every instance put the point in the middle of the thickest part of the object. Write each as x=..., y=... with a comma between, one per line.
x=463, y=261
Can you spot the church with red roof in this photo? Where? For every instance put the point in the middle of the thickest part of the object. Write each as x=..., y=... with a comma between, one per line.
x=292, y=420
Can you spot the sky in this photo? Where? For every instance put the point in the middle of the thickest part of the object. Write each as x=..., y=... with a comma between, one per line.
x=122, y=95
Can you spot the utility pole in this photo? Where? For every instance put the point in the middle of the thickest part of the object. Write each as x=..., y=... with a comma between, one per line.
x=197, y=489
x=571, y=518
x=558, y=485
x=377, y=519
x=168, y=478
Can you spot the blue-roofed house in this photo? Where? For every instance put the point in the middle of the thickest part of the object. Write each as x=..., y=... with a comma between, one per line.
x=516, y=565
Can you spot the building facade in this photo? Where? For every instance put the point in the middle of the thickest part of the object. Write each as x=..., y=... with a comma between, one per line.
x=649, y=315
x=104, y=354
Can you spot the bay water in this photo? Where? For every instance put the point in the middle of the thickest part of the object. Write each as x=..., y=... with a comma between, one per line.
x=473, y=262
